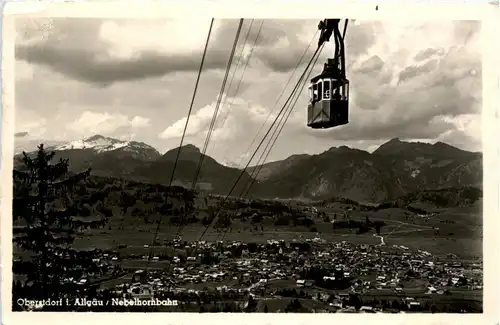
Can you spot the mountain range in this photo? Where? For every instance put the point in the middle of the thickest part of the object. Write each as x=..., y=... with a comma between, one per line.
x=395, y=169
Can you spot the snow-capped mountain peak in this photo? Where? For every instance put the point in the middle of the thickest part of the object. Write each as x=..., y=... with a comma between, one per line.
x=102, y=144
x=98, y=143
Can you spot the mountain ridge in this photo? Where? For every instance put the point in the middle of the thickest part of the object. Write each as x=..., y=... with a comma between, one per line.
x=394, y=169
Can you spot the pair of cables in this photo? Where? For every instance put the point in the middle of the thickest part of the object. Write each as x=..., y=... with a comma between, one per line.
x=285, y=106
x=187, y=122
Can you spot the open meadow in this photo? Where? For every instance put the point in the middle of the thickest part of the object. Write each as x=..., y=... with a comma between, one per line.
x=456, y=230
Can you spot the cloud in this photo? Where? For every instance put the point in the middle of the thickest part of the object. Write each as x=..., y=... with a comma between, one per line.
x=139, y=122
x=127, y=137
x=396, y=96
x=290, y=46
x=94, y=123
x=235, y=132
x=30, y=123
x=417, y=70
x=197, y=123
x=372, y=65
x=135, y=78
x=101, y=61
x=230, y=113
x=21, y=134
x=88, y=66
x=427, y=53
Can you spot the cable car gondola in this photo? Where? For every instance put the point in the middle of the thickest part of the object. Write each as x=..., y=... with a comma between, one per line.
x=329, y=91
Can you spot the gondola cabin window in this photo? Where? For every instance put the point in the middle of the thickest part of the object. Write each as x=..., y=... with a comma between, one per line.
x=345, y=91
x=314, y=93
x=320, y=90
x=326, y=89
x=341, y=92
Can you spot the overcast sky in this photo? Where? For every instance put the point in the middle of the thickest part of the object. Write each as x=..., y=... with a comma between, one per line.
x=134, y=79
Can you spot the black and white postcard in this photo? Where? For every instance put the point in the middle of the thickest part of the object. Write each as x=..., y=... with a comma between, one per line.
x=304, y=159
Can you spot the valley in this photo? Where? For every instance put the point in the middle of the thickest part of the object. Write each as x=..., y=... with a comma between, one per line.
x=407, y=244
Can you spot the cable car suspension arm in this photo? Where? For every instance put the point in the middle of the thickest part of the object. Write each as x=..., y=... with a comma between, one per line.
x=327, y=28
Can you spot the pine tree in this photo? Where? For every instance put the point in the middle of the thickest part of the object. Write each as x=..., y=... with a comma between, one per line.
x=43, y=206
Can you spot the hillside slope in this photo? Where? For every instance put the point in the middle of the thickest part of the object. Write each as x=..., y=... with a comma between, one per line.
x=395, y=169
x=141, y=162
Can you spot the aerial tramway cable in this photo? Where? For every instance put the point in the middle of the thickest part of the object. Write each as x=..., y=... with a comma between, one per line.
x=281, y=94
x=241, y=78
x=290, y=108
x=214, y=117
x=184, y=131
x=261, y=163
x=276, y=104
x=272, y=142
x=255, y=152
x=234, y=74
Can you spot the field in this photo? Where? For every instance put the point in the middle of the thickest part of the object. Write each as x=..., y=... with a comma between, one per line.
x=460, y=232
x=134, y=209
